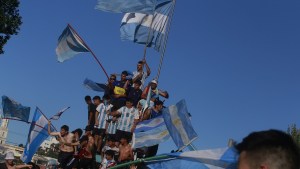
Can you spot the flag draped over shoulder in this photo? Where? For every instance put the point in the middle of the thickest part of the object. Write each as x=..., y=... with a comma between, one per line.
x=150, y=132
x=38, y=132
x=123, y=6
x=94, y=86
x=179, y=125
x=223, y=158
x=14, y=110
x=69, y=44
x=148, y=29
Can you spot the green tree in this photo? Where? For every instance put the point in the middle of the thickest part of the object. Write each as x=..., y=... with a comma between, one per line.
x=10, y=21
x=294, y=132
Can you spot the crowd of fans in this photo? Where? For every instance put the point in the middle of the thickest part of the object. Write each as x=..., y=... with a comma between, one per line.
x=111, y=122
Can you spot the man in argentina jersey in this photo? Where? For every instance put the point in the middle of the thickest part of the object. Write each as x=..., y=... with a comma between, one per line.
x=100, y=123
x=129, y=117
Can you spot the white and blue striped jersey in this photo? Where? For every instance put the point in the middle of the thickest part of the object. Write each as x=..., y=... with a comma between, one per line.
x=112, y=126
x=127, y=118
x=102, y=116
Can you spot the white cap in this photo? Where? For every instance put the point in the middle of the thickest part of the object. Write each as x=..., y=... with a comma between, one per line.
x=154, y=81
x=9, y=156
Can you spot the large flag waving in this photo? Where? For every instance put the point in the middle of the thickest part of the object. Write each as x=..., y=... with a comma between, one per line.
x=222, y=158
x=38, y=132
x=148, y=29
x=150, y=132
x=123, y=6
x=179, y=125
x=14, y=110
x=69, y=44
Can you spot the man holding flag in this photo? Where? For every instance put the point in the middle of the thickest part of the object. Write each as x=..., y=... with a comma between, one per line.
x=65, y=139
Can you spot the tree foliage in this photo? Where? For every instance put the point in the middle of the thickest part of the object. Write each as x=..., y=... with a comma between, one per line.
x=10, y=21
x=294, y=132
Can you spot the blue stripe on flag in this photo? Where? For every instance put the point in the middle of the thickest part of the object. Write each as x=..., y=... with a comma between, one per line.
x=123, y=6
x=179, y=125
x=150, y=132
x=202, y=159
x=150, y=124
x=147, y=29
x=38, y=132
x=69, y=44
x=14, y=110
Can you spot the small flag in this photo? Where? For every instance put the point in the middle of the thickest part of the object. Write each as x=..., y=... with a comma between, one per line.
x=222, y=158
x=147, y=28
x=59, y=113
x=38, y=132
x=179, y=124
x=14, y=110
x=123, y=6
x=69, y=44
x=150, y=132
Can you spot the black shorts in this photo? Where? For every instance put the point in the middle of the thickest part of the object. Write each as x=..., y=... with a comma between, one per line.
x=123, y=134
x=64, y=158
x=99, y=132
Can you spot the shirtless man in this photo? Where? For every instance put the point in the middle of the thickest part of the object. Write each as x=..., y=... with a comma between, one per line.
x=125, y=151
x=87, y=146
x=66, y=148
x=9, y=162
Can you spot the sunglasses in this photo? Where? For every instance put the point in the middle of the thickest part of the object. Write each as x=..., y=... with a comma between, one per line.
x=112, y=78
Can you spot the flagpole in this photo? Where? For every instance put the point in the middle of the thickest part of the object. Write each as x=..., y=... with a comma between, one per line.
x=90, y=51
x=165, y=43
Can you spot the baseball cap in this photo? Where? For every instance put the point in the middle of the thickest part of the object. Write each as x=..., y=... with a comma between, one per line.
x=154, y=81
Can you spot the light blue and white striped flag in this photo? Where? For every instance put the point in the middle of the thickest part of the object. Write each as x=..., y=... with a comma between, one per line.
x=179, y=124
x=69, y=44
x=38, y=132
x=94, y=86
x=150, y=132
x=14, y=110
x=223, y=158
x=123, y=6
x=147, y=28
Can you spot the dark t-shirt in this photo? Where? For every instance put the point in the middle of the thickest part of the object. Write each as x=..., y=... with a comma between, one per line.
x=135, y=95
x=92, y=108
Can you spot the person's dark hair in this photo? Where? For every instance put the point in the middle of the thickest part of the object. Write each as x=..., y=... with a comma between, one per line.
x=96, y=98
x=79, y=131
x=138, y=82
x=141, y=62
x=129, y=100
x=110, y=153
x=65, y=127
x=87, y=98
x=125, y=73
x=158, y=102
x=106, y=97
x=273, y=147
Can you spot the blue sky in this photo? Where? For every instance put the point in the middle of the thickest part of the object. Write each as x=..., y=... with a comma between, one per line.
x=235, y=62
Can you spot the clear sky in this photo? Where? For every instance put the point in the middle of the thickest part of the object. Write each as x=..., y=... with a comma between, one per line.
x=235, y=62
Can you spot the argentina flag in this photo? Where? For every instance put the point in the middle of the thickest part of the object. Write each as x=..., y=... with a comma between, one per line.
x=222, y=158
x=69, y=44
x=14, y=110
x=123, y=6
x=148, y=29
x=179, y=125
x=94, y=86
x=150, y=132
x=38, y=132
